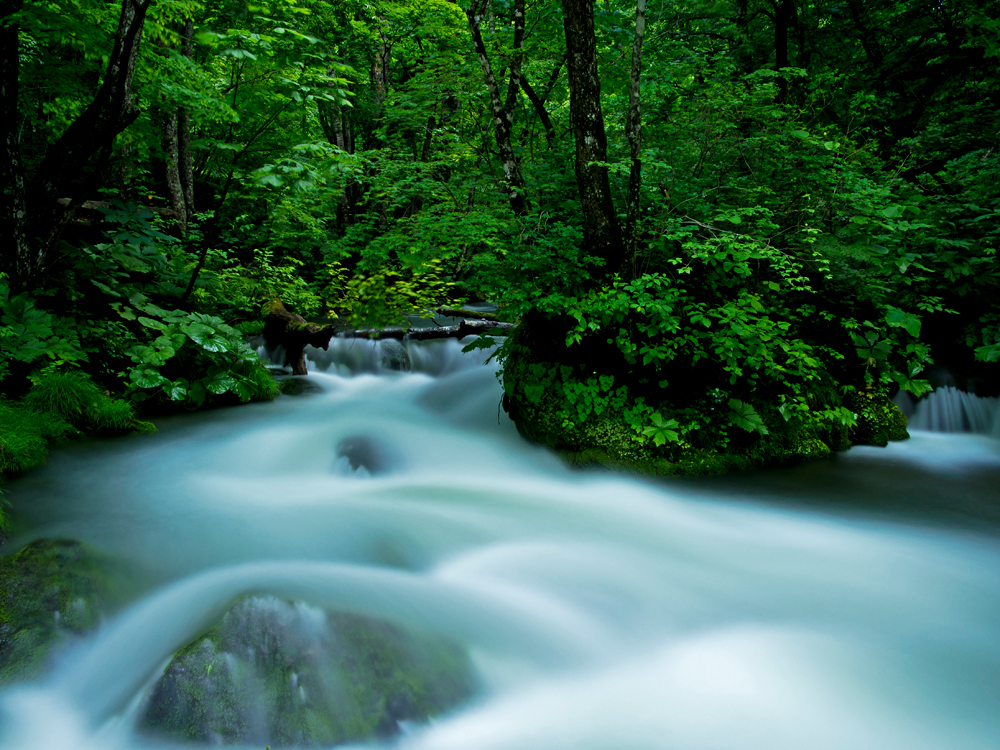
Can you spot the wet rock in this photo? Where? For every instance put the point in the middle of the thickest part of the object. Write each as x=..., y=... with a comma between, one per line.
x=362, y=453
x=288, y=674
x=393, y=356
x=50, y=591
x=298, y=386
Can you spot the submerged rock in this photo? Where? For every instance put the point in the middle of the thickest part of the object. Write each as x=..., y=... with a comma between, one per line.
x=298, y=386
x=51, y=590
x=359, y=453
x=288, y=674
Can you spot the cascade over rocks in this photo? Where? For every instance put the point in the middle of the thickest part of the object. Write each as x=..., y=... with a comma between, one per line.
x=294, y=333
x=289, y=674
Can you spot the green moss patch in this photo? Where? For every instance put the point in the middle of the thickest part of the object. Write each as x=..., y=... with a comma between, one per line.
x=286, y=674
x=49, y=590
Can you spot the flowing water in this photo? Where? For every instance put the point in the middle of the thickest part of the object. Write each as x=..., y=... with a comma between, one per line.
x=851, y=604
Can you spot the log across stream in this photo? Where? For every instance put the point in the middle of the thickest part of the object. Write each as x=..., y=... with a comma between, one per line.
x=853, y=603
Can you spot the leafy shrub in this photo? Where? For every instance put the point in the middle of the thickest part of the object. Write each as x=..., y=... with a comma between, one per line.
x=192, y=359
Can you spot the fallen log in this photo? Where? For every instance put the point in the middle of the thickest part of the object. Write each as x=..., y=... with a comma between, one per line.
x=467, y=327
x=464, y=312
x=295, y=333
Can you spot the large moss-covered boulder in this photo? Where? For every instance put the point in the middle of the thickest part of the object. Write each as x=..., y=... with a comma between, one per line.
x=879, y=420
x=287, y=674
x=50, y=591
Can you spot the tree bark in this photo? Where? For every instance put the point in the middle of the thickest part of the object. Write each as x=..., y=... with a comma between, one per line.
x=539, y=104
x=870, y=44
x=18, y=258
x=503, y=109
x=185, y=159
x=173, y=173
x=88, y=139
x=784, y=19
x=744, y=60
x=633, y=129
x=602, y=235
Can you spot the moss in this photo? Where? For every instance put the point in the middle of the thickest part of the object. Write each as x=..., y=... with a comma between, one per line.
x=298, y=386
x=250, y=327
x=278, y=673
x=49, y=589
x=878, y=419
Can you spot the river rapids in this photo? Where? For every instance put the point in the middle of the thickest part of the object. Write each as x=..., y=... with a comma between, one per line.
x=852, y=604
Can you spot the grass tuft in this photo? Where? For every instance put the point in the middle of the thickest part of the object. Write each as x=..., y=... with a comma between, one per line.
x=71, y=395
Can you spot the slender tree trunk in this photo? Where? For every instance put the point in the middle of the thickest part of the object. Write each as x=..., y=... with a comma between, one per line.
x=503, y=109
x=869, y=42
x=173, y=174
x=744, y=59
x=783, y=18
x=539, y=104
x=184, y=158
x=633, y=128
x=87, y=140
x=602, y=235
x=18, y=258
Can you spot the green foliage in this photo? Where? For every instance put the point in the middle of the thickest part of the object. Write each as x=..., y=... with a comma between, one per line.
x=71, y=395
x=387, y=297
x=192, y=359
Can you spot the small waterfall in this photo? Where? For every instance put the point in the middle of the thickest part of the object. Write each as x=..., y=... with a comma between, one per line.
x=948, y=409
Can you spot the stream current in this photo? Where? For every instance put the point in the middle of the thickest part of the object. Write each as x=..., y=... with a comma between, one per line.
x=851, y=604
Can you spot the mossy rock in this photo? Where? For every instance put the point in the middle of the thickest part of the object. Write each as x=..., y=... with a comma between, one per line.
x=51, y=590
x=287, y=674
x=298, y=386
x=879, y=420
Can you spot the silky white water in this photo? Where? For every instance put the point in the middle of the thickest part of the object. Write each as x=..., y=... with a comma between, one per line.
x=601, y=613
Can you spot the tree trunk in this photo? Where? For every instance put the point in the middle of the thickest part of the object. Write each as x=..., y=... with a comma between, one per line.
x=784, y=18
x=185, y=160
x=173, y=174
x=503, y=110
x=88, y=138
x=18, y=258
x=744, y=58
x=602, y=235
x=870, y=44
x=633, y=129
x=539, y=104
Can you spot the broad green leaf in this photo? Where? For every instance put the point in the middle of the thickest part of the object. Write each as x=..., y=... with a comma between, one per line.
x=147, y=377
x=743, y=415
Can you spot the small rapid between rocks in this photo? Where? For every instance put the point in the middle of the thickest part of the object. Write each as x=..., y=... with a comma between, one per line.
x=847, y=604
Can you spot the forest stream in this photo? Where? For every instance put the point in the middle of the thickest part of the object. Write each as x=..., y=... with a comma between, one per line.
x=852, y=603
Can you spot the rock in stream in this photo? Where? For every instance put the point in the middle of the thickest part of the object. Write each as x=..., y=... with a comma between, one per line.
x=51, y=591
x=289, y=674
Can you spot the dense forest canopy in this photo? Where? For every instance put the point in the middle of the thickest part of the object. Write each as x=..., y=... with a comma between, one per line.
x=725, y=227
